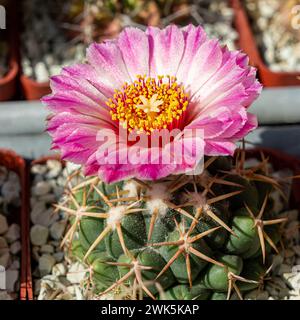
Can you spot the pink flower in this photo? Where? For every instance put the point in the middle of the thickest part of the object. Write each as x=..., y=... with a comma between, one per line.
x=143, y=81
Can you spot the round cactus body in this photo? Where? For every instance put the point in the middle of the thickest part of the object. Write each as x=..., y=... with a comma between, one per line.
x=183, y=237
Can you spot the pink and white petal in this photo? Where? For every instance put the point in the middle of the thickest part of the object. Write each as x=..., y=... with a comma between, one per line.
x=60, y=135
x=233, y=84
x=64, y=102
x=112, y=154
x=107, y=60
x=223, y=81
x=72, y=120
x=91, y=165
x=166, y=50
x=116, y=173
x=214, y=124
x=155, y=171
x=240, y=124
x=87, y=75
x=219, y=148
x=194, y=37
x=73, y=88
x=204, y=64
x=91, y=170
x=79, y=87
x=190, y=150
x=239, y=117
x=238, y=120
x=83, y=137
x=249, y=126
x=253, y=91
x=232, y=97
x=77, y=156
x=78, y=147
x=133, y=44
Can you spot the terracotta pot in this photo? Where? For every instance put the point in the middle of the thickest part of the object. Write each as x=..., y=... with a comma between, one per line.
x=29, y=285
x=248, y=44
x=13, y=162
x=34, y=90
x=9, y=81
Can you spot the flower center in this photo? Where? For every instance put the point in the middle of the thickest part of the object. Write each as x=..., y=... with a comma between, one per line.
x=148, y=103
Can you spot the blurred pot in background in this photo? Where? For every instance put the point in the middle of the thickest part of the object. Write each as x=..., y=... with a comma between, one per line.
x=8, y=62
x=270, y=36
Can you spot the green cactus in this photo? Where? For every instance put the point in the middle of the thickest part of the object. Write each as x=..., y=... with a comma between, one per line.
x=183, y=237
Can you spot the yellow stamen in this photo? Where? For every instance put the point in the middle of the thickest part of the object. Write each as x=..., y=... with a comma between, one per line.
x=148, y=104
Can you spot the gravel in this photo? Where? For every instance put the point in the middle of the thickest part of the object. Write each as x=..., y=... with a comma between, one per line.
x=10, y=245
x=55, y=276
x=277, y=32
x=3, y=224
x=45, y=48
x=39, y=235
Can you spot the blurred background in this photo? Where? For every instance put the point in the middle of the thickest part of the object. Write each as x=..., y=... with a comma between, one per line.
x=39, y=37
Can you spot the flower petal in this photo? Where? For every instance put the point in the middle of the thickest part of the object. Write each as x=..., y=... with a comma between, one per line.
x=166, y=50
x=134, y=46
x=219, y=148
x=107, y=60
x=205, y=63
x=221, y=86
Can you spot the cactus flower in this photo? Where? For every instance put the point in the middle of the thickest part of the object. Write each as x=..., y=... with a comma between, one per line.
x=174, y=78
